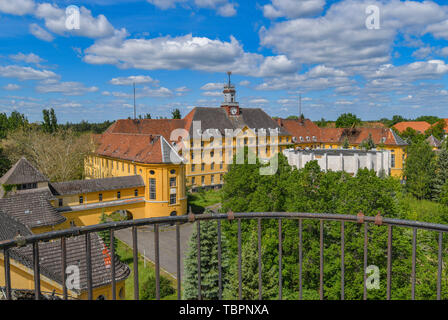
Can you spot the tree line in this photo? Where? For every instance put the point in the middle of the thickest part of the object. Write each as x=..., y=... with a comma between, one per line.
x=312, y=190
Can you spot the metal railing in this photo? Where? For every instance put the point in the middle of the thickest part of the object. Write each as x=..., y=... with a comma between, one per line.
x=178, y=220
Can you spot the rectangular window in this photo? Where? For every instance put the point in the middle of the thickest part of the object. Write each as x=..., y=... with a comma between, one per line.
x=152, y=189
x=118, y=195
x=61, y=202
x=100, y=197
x=213, y=179
x=81, y=199
x=122, y=166
x=173, y=198
x=202, y=167
x=129, y=168
x=220, y=165
x=193, y=181
x=135, y=169
x=392, y=161
x=212, y=166
x=172, y=182
x=193, y=168
x=202, y=179
x=136, y=193
x=220, y=178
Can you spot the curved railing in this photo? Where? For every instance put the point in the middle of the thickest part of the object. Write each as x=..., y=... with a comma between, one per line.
x=177, y=220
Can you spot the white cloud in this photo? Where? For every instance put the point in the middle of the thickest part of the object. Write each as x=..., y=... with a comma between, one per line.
x=11, y=87
x=69, y=88
x=185, y=52
x=292, y=8
x=222, y=7
x=258, y=101
x=245, y=83
x=133, y=79
x=17, y=7
x=28, y=58
x=161, y=92
x=212, y=93
x=341, y=39
x=90, y=27
x=212, y=86
x=25, y=73
x=40, y=33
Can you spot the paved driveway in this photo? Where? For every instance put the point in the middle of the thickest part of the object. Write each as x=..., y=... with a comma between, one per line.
x=167, y=244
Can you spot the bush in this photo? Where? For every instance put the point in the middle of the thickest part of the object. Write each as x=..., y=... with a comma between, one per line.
x=148, y=289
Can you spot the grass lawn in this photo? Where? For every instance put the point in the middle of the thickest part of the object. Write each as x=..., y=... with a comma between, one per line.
x=202, y=199
x=424, y=210
x=145, y=270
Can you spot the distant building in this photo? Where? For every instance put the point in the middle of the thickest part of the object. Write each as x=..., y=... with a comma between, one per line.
x=346, y=160
x=419, y=126
x=434, y=142
x=307, y=135
x=29, y=204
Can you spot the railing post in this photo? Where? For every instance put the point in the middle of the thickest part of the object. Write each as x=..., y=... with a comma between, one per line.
x=112, y=264
x=198, y=239
x=260, y=266
x=135, y=257
x=439, y=269
x=280, y=253
x=36, y=270
x=179, y=280
x=7, y=274
x=342, y=260
x=414, y=255
x=89, y=266
x=157, y=260
x=389, y=260
x=321, y=269
x=219, y=261
x=64, y=267
x=240, y=285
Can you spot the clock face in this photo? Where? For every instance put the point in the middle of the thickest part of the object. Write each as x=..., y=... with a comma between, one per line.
x=233, y=111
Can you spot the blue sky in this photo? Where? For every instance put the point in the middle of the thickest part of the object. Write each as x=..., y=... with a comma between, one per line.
x=177, y=52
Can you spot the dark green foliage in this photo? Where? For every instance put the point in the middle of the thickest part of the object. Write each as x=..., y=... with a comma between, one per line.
x=147, y=290
x=368, y=143
x=441, y=178
x=85, y=126
x=419, y=170
x=346, y=143
x=5, y=163
x=105, y=235
x=50, y=124
x=347, y=120
x=209, y=263
x=311, y=190
x=429, y=119
x=437, y=130
x=176, y=114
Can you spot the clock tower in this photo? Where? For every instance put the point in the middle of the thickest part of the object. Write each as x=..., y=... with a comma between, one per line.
x=232, y=107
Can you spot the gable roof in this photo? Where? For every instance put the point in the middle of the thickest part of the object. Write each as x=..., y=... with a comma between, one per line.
x=32, y=208
x=21, y=173
x=143, y=148
x=96, y=185
x=217, y=118
x=433, y=142
x=301, y=129
x=420, y=126
x=50, y=258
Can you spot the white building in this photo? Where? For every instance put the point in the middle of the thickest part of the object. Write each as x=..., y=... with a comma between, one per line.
x=348, y=160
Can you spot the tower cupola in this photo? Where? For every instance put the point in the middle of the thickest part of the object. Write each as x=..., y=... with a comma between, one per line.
x=230, y=103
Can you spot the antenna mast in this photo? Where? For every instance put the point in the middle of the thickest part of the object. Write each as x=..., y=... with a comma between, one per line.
x=229, y=73
x=300, y=105
x=135, y=111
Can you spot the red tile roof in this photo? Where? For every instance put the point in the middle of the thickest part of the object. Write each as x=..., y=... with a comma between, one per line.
x=143, y=148
x=302, y=131
x=420, y=126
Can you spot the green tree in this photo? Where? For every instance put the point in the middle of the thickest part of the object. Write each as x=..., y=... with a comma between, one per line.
x=176, y=114
x=346, y=143
x=50, y=122
x=105, y=235
x=209, y=263
x=419, y=170
x=429, y=119
x=368, y=143
x=347, y=120
x=437, y=130
x=147, y=290
x=441, y=178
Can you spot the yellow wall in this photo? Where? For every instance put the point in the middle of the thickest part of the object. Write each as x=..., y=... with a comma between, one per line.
x=399, y=153
x=200, y=157
x=99, y=167
x=23, y=278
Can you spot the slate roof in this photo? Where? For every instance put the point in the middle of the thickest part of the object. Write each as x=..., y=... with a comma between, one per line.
x=50, y=255
x=217, y=118
x=433, y=142
x=96, y=185
x=21, y=173
x=32, y=208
